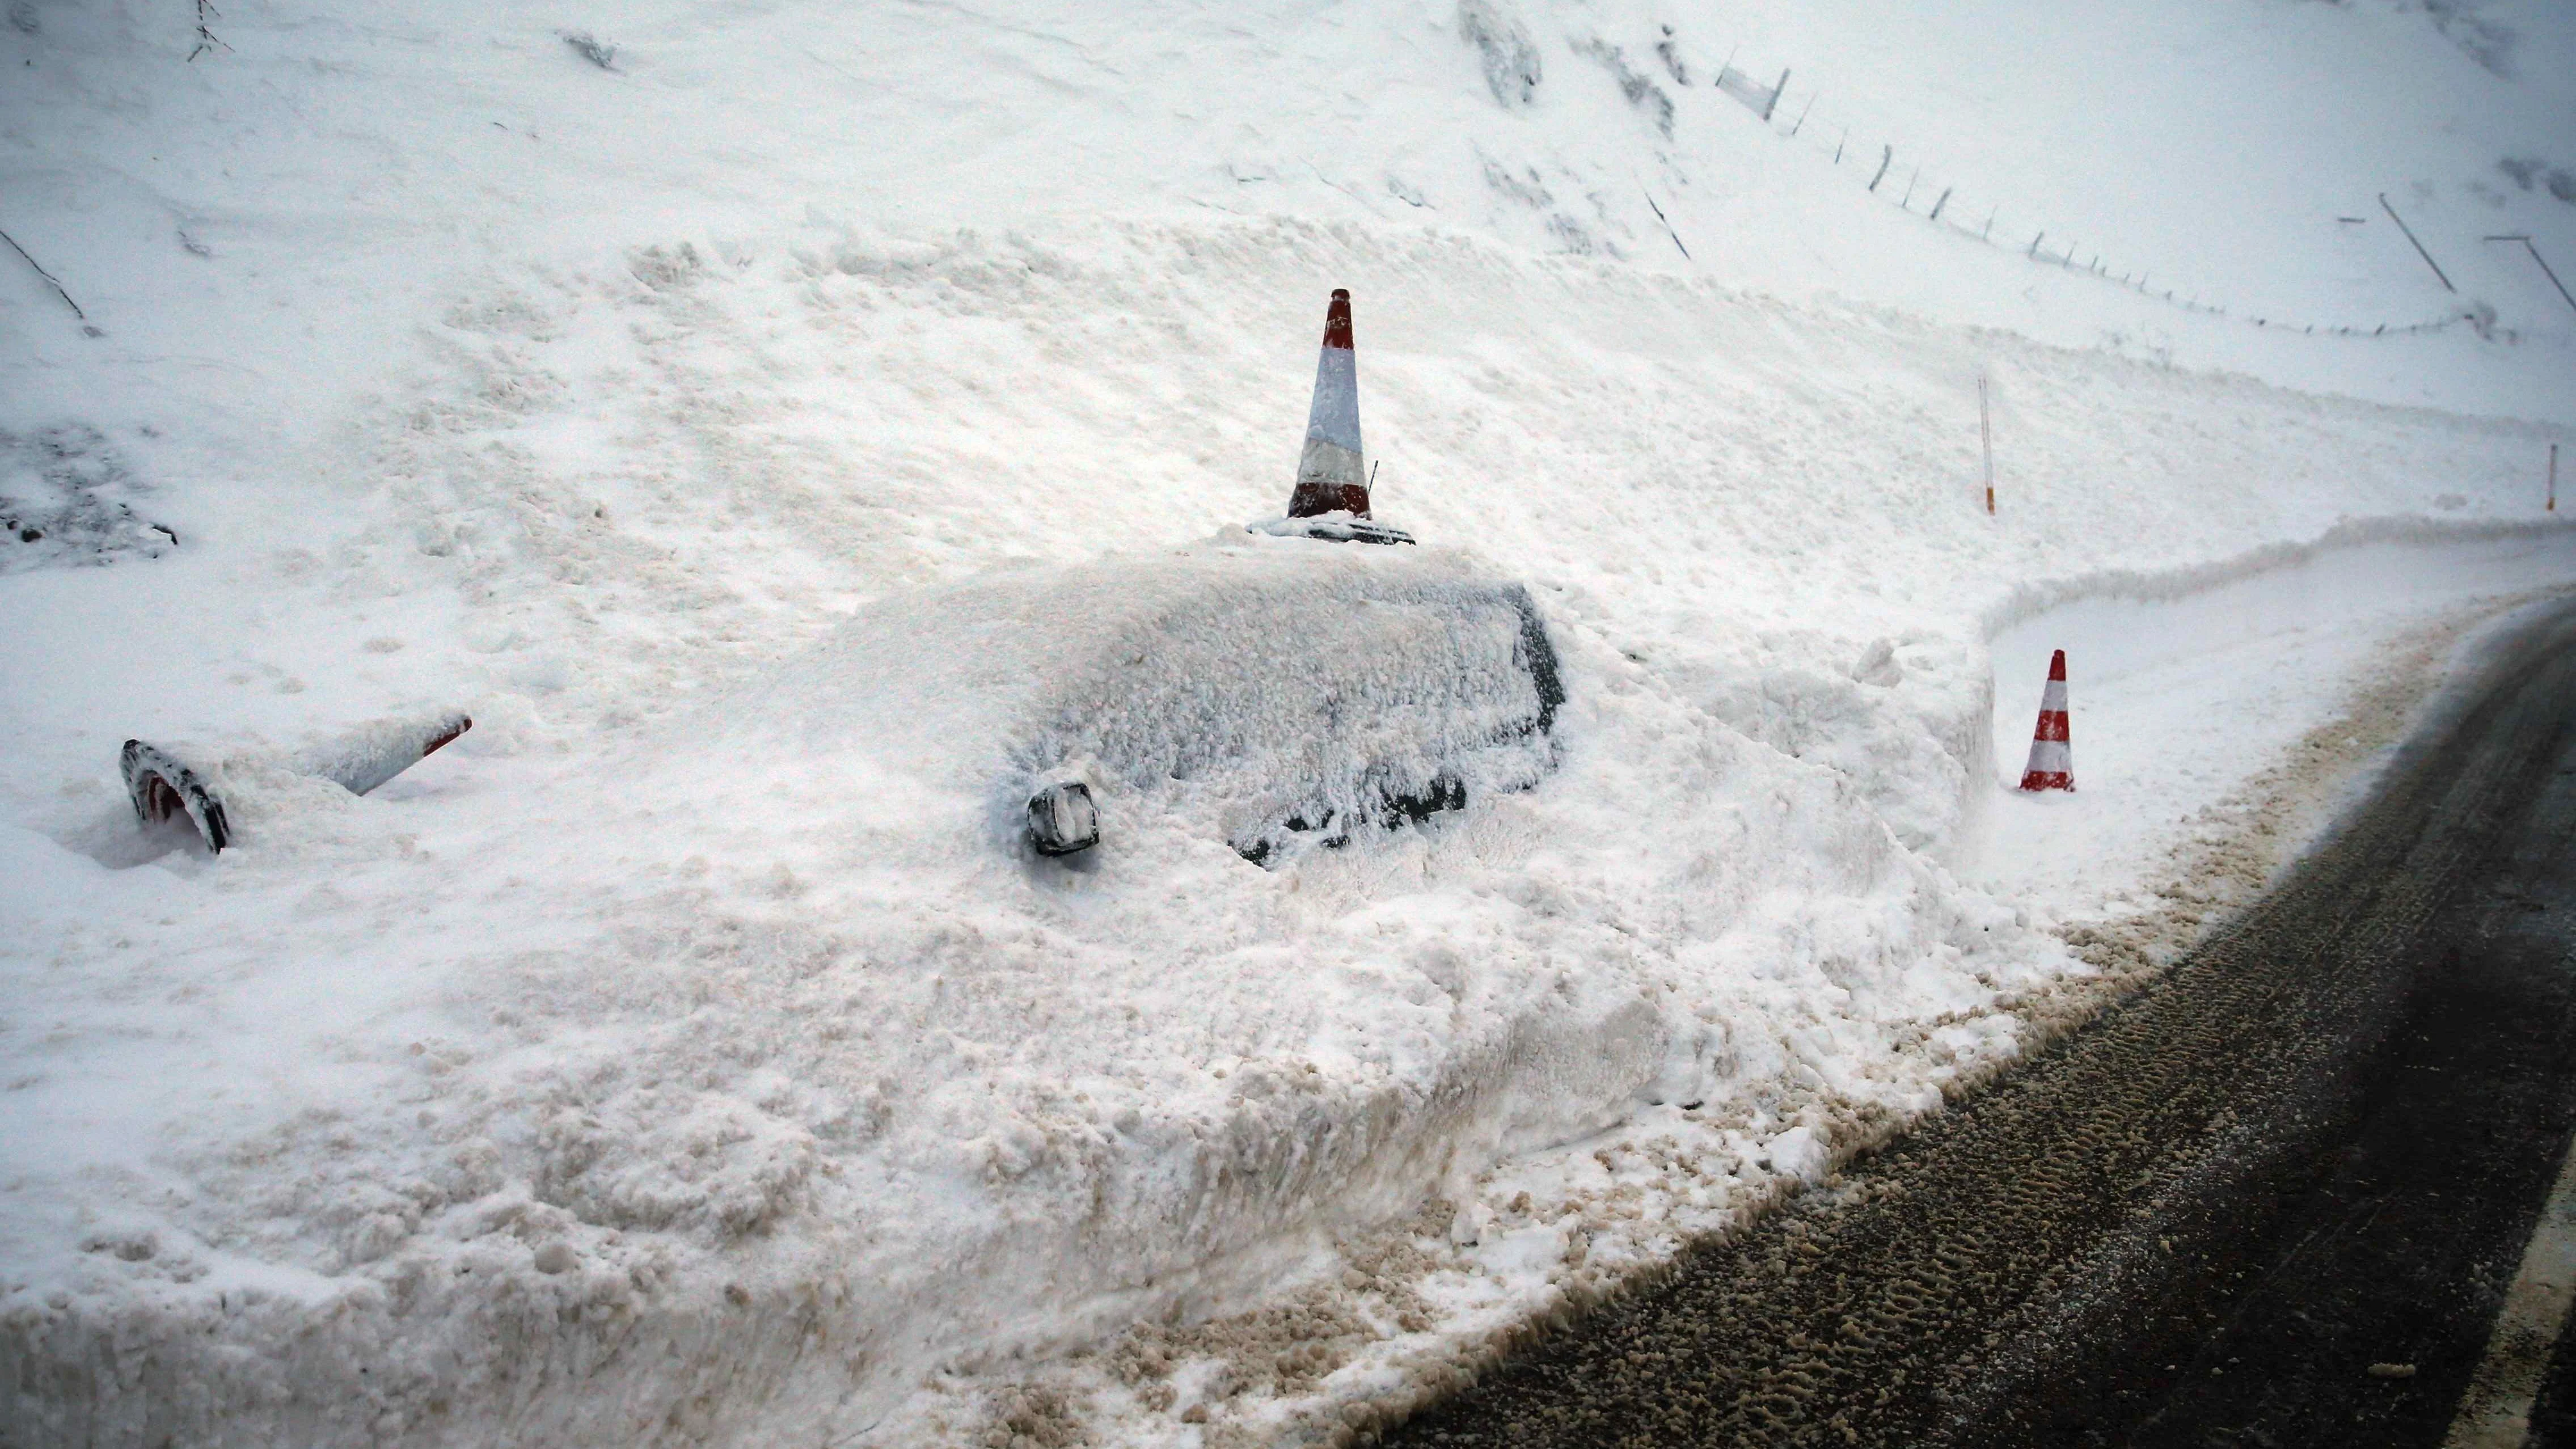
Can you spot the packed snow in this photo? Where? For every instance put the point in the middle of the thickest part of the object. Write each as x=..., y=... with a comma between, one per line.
x=794, y=435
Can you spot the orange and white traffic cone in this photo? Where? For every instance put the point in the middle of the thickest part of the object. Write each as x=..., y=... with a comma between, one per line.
x=2052, y=763
x=1331, y=500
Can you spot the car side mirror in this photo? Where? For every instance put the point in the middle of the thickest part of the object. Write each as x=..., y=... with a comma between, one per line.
x=1063, y=820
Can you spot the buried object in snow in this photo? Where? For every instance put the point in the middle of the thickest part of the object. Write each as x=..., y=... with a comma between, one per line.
x=1062, y=819
x=1409, y=696
x=162, y=783
x=1264, y=694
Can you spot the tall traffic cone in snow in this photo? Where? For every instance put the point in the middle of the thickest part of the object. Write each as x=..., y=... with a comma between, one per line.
x=2052, y=764
x=1331, y=500
x=1331, y=477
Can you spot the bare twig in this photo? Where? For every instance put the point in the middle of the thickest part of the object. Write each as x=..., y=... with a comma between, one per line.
x=48, y=276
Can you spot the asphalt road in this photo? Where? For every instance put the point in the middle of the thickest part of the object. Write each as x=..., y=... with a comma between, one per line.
x=2274, y=1200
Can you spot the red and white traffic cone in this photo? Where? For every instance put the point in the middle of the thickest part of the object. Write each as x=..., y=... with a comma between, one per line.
x=1331, y=477
x=1331, y=500
x=369, y=755
x=2052, y=763
x=164, y=782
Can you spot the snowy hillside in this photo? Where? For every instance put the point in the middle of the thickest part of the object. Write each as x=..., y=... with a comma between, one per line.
x=642, y=1069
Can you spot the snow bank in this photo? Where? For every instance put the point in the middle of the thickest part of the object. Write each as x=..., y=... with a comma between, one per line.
x=649, y=1037
x=761, y=1054
x=2198, y=692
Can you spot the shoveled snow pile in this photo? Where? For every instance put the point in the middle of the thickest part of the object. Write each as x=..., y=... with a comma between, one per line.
x=786, y=472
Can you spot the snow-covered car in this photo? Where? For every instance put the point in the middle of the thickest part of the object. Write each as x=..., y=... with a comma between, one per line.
x=1274, y=693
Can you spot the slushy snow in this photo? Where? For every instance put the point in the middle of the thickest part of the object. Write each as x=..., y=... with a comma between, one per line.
x=686, y=1054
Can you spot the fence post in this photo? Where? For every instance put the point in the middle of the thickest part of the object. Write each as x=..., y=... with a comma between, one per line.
x=1944, y=201
x=2419, y=246
x=2552, y=276
x=1774, y=103
x=2537, y=257
x=2553, y=477
x=1886, y=154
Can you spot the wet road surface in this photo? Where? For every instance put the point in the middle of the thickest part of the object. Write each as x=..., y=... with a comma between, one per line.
x=2274, y=1200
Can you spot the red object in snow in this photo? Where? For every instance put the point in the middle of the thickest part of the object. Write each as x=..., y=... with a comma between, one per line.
x=163, y=783
x=2052, y=762
x=1330, y=478
x=1331, y=499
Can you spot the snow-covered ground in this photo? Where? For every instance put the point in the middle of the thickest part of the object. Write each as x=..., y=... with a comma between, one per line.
x=2196, y=691
x=641, y=1069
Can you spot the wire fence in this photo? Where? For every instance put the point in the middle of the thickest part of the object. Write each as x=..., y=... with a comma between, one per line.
x=1905, y=184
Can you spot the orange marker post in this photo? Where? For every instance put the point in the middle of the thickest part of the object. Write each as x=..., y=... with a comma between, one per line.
x=1986, y=441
